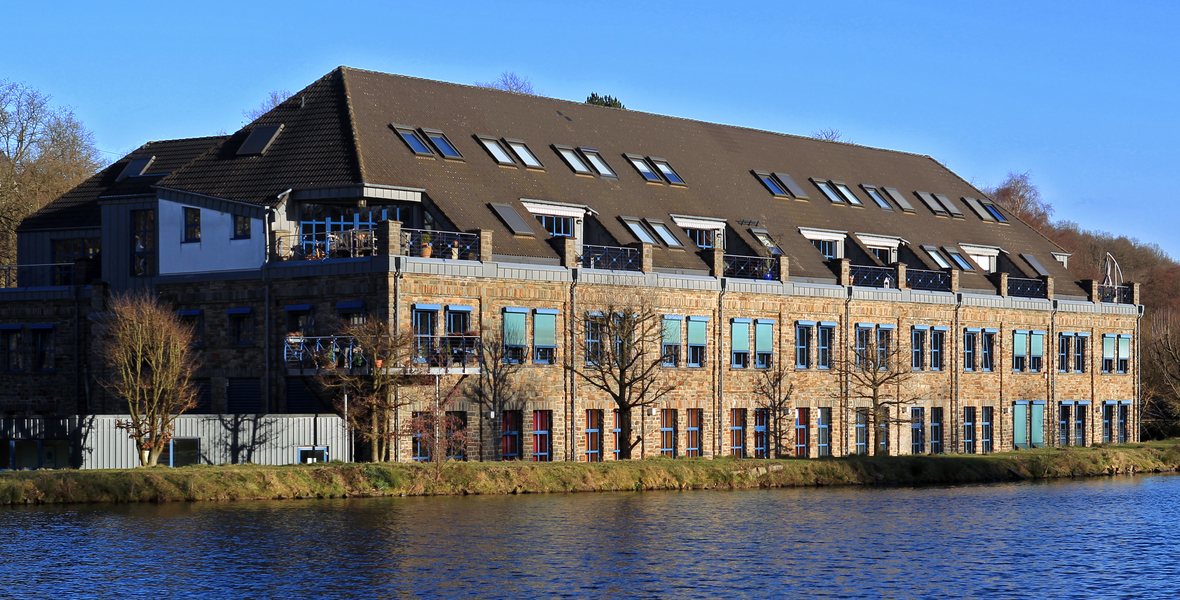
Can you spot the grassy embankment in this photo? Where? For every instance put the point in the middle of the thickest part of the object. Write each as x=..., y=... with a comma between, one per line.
x=242, y=482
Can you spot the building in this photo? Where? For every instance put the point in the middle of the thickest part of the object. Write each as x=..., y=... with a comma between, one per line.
x=456, y=210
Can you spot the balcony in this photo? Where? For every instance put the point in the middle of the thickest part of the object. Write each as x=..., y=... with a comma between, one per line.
x=751, y=267
x=46, y=275
x=928, y=281
x=442, y=354
x=321, y=352
x=877, y=277
x=1027, y=288
x=350, y=243
x=440, y=244
x=611, y=258
x=1117, y=294
x=434, y=354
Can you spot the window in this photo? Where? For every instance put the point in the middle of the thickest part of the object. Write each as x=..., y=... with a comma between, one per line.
x=829, y=243
x=828, y=190
x=515, y=334
x=1107, y=417
x=544, y=336
x=498, y=153
x=1124, y=353
x=644, y=169
x=425, y=321
x=692, y=442
x=542, y=435
x=767, y=242
x=825, y=247
x=1124, y=411
x=883, y=431
x=195, y=321
x=442, y=144
x=143, y=243
x=823, y=444
x=668, y=432
x=595, y=159
x=241, y=227
x=458, y=319
x=740, y=343
x=884, y=346
x=970, y=347
x=863, y=348
x=456, y=425
x=413, y=140
x=241, y=326
x=760, y=436
x=969, y=430
x=937, y=344
x=557, y=226
x=1079, y=424
x=960, y=261
x=640, y=231
x=1036, y=351
x=1079, y=352
x=703, y=238
x=846, y=192
x=987, y=349
x=917, y=431
x=419, y=446
x=510, y=436
x=1019, y=350
x=665, y=234
x=66, y=251
x=595, y=329
x=937, y=256
x=594, y=435
x=771, y=183
x=985, y=429
x=1064, y=423
x=984, y=256
x=737, y=432
x=885, y=255
x=993, y=210
x=574, y=161
x=763, y=343
x=616, y=432
x=802, y=429
x=1064, y=341
x=918, y=348
x=43, y=350
x=696, y=341
x=877, y=196
x=803, y=344
x=525, y=155
x=862, y=431
x=667, y=171
x=936, y=430
x=823, y=354
x=671, y=340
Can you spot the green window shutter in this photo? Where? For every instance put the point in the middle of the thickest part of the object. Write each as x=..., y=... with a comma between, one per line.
x=1108, y=346
x=1038, y=344
x=1124, y=348
x=544, y=330
x=514, y=329
x=1020, y=344
x=696, y=333
x=1038, y=425
x=763, y=337
x=740, y=339
x=1020, y=425
x=672, y=331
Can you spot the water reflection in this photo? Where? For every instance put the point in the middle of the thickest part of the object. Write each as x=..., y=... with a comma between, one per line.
x=1094, y=538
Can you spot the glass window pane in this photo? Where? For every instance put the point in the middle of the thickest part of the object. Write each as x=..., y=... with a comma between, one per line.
x=769, y=243
x=415, y=142
x=497, y=151
x=937, y=256
x=669, y=173
x=666, y=234
x=444, y=146
x=848, y=194
x=640, y=232
x=575, y=163
x=876, y=196
x=599, y=164
x=830, y=193
x=962, y=262
x=645, y=170
x=525, y=154
x=774, y=188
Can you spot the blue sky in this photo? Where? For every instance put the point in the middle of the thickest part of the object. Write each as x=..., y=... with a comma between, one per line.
x=1082, y=95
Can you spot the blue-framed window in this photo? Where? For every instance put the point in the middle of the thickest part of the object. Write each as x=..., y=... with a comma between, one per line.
x=1036, y=351
x=826, y=333
x=825, y=247
x=241, y=227
x=703, y=238
x=697, y=329
x=739, y=343
x=43, y=353
x=864, y=344
x=456, y=427
x=1079, y=352
x=544, y=336
x=458, y=320
x=542, y=435
x=763, y=343
x=671, y=336
x=241, y=326
x=1079, y=424
x=936, y=430
x=917, y=430
x=594, y=435
x=969, y=430
x=803, y=344
x=515, y=334
x=425, y=323
x=987, y=349
x=760, y=434
x=737, y=432
x=1019, y=350
x=420, y=449
x=557, y=226
x=862, y=431
x=823, y=430
x=668, y=432
x=318, y=222
x=616, y=432
x=1124, y=355
x=192, y=225
x=596, y=328
x=1064, y=423
x=884, y=346
x=510, y=421
x=1107, y=422
x=195, y=320
x=970, y=347
x=1064, y=342
x=802, y=431
x=692, y=432
x=937, y=347
x=1124, y=412
x=987, y=413
x=918, y=348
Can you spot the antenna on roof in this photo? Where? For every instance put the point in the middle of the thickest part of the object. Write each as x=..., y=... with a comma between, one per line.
x=1114, y=275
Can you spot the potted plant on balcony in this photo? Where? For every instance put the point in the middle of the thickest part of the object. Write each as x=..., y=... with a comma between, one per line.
x=424, y=242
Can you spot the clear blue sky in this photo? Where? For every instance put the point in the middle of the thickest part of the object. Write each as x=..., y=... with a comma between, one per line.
x=1082, y=95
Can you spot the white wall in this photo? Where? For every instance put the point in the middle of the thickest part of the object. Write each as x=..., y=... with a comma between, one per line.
x=216, y=251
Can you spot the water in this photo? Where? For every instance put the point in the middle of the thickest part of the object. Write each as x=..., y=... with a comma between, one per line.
x=1108, y=538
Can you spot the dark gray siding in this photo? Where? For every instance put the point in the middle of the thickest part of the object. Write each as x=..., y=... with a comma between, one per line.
x=36, y=247
x=116, y=242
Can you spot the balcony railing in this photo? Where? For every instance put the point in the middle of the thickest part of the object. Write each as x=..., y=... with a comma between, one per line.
x=440, y=244
x=1118, y=294
x=322, y=352
x=751, y=267
x=1027, y=288
x=613, y=258
x=928, y=281
x=878, y=277
x=13, y=276
x=350, y=243
x=448, y=351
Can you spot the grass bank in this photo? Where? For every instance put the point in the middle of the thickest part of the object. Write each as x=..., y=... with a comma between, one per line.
x=333, y=480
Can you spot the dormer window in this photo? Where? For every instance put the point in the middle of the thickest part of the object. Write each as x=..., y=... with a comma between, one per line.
x=984, y=256
x=830, y=243
x=558, y=218
x=884, y=247
x=703, y=231
x=557, y=226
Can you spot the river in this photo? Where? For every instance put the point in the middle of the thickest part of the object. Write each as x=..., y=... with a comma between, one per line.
x=1095, y=538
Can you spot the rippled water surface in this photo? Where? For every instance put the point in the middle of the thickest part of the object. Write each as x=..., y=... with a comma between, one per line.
x=1102, y=538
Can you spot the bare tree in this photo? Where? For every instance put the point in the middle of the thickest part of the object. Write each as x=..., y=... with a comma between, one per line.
x=44, y=153
x=1019, y=196
x=273, y=99
x=510, y=82
x=438, y=433
x=149, y=353
x=773, y=392
x=495, y=388
x=1161, y=373
x=624, y=356
x=379, y=374
x=876, y=375
x=830, y=134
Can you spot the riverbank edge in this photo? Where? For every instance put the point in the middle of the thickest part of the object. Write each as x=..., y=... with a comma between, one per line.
x=348, y=480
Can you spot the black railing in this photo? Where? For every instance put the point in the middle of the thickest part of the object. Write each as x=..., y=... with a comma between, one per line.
x=878, y=277
x=1118, y=294
x=613, y=258
x=13, y=276
x=447, y=350
x=928, y=281
x=1027, y=288
x=751, y=267
x=350, y=243
x=323, y=352
x=440, y=244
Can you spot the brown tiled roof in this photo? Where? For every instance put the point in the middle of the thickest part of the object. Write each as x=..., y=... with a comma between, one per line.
x=337, y=131
x=79, y=206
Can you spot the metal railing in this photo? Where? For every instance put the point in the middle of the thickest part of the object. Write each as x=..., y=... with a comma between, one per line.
x=447, y=350
x=322, y=352
x=1027, y=288
x=611, y=257
x=928, y=281
x=1118, y=294
x=440, y=244
x=878, y=277
x=350, y=243
x=751, y=267
x=44, y=275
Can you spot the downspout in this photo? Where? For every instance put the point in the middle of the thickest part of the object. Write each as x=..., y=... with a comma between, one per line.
x=719, y=395
x=268, y=214
x=845, y=344
x=953, y=364
x=1051, y=371
x=572, y=378
x=396, y=330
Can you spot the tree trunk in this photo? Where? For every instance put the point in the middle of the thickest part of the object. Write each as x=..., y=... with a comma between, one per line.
x=625, y=433
x=374, y=436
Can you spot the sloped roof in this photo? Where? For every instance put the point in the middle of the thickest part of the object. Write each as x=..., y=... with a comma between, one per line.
x=79, y=206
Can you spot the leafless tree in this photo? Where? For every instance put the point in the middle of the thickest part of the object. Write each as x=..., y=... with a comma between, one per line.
x=495, y=389
x=1161, y=373
x=438, y=433
x=381, y=379
x=510, y=82
x=1019, y=196
x=273, y=99
x=876, y=376
x=773, y=392
x=623, y=356
x=830, y=134
x=44, y=152
x=148, y=351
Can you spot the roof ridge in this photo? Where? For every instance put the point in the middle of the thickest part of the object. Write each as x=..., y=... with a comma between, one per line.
x=188, y=139
x=357, y=155
x=655, y=114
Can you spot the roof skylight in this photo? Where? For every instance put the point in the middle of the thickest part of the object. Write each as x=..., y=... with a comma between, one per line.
x=260, y=139
x=492, y=145
x=665, y=234
x=136, y=168
x=763, y=236
x=876, y=195
x=512, y=219
x=643, y=168
x=573, y=160
x=639, y=230
x=525, y=155
x=828, y=190
x=899, y=199
x=598, y=162
x=440, y=141
x=978, y=209
x=413, y=140
x=668, y=172
x=958, y=258
x=786, y=181
x=931, y=203
x=950, y=206
x=939, y=259
x=847, y=193
x=770, y=182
